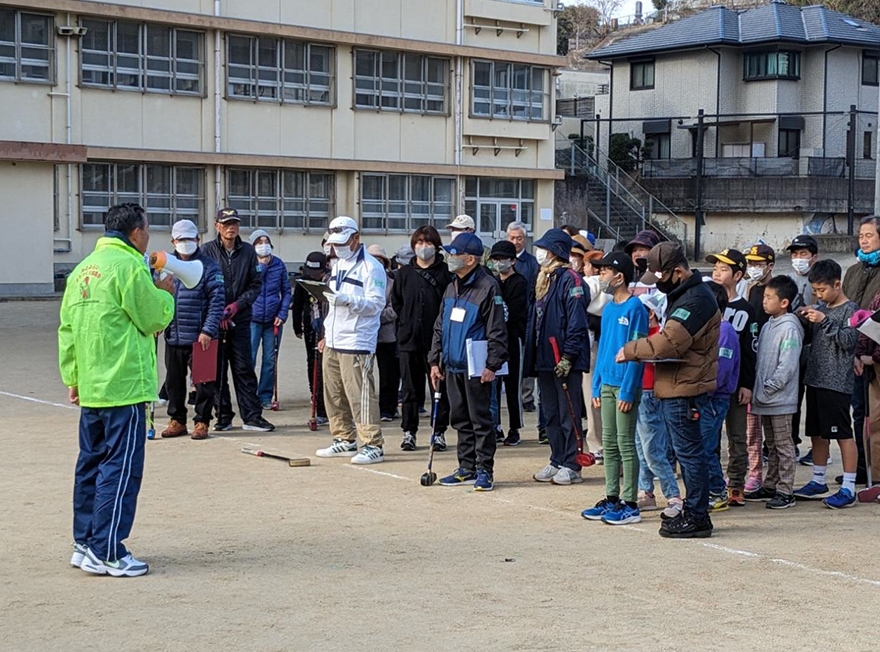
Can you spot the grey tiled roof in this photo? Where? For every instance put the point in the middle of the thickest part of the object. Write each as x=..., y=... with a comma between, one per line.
x=774, y=22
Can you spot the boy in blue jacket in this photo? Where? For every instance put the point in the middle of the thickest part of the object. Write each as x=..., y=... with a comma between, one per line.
x=617, y=390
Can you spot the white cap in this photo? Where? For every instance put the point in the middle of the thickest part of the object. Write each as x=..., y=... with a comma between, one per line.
x=184, y=229
x=257, y=234
x=462, y=222
x=654, y=301
x=341, y=229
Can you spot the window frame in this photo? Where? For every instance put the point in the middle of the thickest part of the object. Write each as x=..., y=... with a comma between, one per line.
x=175, y=210
x=401, y=81
x=17, y=44
x=875, y=57
x=642, y=85
x=520, y=199
x=510, y=90
x=788, y=134
x=281, y=83
x=144, y=59
x=250, y=216
x=795, y=61
x=657, y=141
x=411, y=220
x=868, y=147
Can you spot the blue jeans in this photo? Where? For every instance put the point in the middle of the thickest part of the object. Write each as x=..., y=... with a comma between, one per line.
x=264, y=333
x=687, y=441
x=711, y=419
x=653, y=448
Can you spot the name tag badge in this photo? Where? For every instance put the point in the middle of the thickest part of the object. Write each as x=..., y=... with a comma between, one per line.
x=457, y=315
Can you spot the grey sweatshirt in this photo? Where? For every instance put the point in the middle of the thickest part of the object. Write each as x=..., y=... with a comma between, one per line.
x=778, y=367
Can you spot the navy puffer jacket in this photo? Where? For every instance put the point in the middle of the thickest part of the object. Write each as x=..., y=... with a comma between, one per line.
x=274, y=297
x=200, y=309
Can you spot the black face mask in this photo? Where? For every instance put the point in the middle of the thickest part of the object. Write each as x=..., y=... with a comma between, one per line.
x=668, y=286
x=641, y=266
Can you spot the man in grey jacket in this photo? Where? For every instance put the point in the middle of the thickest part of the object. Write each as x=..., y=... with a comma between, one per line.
x=776, y=391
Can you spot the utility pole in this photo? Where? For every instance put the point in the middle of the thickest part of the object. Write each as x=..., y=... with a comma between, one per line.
x=851, y=163
x=698, y=186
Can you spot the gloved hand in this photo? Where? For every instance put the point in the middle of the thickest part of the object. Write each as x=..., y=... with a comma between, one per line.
x=858, y=317
x=342, y=299
x=563, y=368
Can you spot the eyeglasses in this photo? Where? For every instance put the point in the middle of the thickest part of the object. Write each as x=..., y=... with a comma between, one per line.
x=340, y=229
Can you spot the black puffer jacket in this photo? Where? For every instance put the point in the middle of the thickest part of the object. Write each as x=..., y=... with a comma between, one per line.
x=416, y=298
x=242, y=274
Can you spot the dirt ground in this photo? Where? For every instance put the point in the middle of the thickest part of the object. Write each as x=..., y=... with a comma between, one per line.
x=248, y=554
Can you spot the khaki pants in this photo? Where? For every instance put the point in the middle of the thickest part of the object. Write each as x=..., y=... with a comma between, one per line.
x=594, y=415
x=350, y=397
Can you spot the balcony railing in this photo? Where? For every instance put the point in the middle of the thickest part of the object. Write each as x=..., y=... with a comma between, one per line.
x=740, y=168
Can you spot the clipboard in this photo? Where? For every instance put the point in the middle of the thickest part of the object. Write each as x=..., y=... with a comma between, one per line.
x=204, y=363
x=318, y=289
x=477, y=352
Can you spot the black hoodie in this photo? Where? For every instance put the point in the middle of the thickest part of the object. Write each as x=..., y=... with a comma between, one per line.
x=416, y=297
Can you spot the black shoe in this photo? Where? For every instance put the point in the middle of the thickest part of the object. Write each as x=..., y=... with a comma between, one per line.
x=542, y=436
x=762, y=493
x=529, y=407
x=687, y=526
x=512, y=438
x=780, y=501
x=259, y=424
x=499, y=434
x=861, y=478
x=223, y=425
x=409, y=442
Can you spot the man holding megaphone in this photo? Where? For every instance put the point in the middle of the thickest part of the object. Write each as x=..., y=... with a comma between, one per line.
x=198, y=309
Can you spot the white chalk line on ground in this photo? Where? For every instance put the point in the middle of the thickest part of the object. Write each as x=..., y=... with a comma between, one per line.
x=712, y=546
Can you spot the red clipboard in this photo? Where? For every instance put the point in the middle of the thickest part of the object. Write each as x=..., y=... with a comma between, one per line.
x=204, y=363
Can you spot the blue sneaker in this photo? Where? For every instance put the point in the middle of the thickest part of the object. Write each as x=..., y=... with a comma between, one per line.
x=812, y=491
x=485, y=481
x=843, y=498
x=459, y=477
x=599, y=510
x=622, y=514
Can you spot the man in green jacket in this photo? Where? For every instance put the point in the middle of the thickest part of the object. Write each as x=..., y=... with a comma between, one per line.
x=107, y=355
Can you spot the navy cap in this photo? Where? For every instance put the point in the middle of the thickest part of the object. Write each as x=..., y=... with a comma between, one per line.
x=465, y=243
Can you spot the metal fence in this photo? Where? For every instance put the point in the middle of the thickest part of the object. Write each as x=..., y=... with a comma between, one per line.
x=757, y=167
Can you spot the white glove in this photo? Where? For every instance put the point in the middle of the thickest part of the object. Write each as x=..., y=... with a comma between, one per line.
x=342, y=299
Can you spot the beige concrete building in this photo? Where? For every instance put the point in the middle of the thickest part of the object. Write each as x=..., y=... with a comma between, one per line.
x=395, y=112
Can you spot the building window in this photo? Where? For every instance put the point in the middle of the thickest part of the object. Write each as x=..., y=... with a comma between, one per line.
x=281, y=199
x=27, y=47
x=771, y=65
x=280, y=70
x=400, y=202
x=495, y=203
x=139, y=57
x=510, y=91
x=868, y=148
x=397, y=81
x=657, y=146
x=870, y=69
x=168, y=193
x=789, y=143
x=641, y=75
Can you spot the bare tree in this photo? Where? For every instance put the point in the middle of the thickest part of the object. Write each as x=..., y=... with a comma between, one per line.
x=606, y=9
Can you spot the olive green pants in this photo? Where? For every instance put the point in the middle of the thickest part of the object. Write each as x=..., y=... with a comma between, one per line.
x=619, y=445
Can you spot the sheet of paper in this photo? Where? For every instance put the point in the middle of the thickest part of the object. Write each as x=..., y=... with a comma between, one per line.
x=204, y=363
x=871, y=328
x=477, y=352
x=546, y=214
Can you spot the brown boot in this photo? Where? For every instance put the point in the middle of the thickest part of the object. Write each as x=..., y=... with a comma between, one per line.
x=174, y=429
x=200, y=431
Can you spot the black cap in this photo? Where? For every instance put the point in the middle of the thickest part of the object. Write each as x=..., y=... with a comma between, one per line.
x=620, y=262
x=227, y=215
x=732, y=257
x=315, y=265
x=503, y=249
x=804, y=242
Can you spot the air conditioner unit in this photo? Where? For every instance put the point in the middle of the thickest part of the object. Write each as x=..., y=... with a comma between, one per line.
x=71, y=30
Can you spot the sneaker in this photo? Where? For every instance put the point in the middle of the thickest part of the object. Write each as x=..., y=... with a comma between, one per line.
x=200, y=431
x=807, y=459
x=529, y=407
x=622, y=514
x=812, y=491
x=546, y=474
x=369, y=455
x=79, y=553
x=439, y=442
x=339, y=448
x=128, y=566
x=673, y=509
x=222, y=425
x=687, y=526
x=752, y=484
x=259, y=424
x=842, y=499
x=647, y=502
x=760, y=494
x=718, y=503
x=499, y=434
x=267, y=406
x=162, y=402
x=409, y=442
x=485, y=481
x=736, y=498
x=321, y=421
x=422, y=410
x=566, y=476
x=542, y=436
x=600, y=458
x=459, y=477
x=781, y=501
x=175, y=429
x=599, y=510
x=385, y=418
x=512, y=438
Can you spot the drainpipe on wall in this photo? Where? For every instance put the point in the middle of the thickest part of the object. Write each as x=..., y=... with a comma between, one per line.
x=218, y=106
x=459, y=30
x=68, y=126
x=717, y=53
x=825, y=102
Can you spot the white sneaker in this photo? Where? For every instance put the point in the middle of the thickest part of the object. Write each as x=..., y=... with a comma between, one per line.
x=673, y=509
x=369, y=455
x=546, y=474
x=339, y=448
x=566, y=476
x=128, y=566
x=79, y=552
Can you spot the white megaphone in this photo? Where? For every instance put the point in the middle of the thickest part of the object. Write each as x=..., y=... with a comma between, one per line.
x=188, y=271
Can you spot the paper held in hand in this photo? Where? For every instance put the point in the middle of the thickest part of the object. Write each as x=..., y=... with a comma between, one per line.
x=477, y=352
x=321, y=291
x=871, y=327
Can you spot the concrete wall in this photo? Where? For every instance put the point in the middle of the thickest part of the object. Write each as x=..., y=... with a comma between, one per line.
x=741, y=230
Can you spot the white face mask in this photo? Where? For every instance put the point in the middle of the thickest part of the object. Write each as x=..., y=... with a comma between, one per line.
x=263, y=250
x=186, y=247
x=542, y=256
x=328, y=250
x=756, y=273
x=344, y=252
x=801, y=265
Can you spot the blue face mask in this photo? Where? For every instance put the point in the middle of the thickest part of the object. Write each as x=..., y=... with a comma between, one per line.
x=872, y=259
